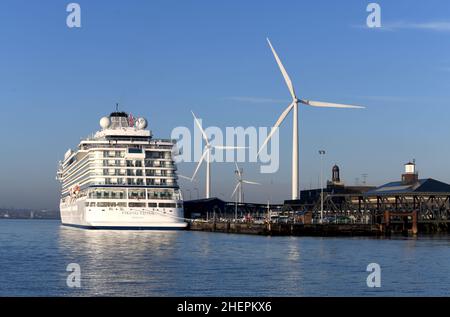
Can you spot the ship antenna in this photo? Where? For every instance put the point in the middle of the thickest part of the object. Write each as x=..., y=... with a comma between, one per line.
x=117, y=107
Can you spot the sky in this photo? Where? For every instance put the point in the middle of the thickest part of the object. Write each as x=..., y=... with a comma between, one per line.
x=162, y=59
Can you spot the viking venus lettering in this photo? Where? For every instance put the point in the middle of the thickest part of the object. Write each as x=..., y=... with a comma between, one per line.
x=121, y=178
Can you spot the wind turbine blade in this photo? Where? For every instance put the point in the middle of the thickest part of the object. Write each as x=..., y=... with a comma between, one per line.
x=276, y=125
x=252, y=183
x=238, y=170
x=199, y=163
x=283, y=71
x=205, y=137
x=235, y=189
x=328, y=104
x=224, y=147
x=184, y=177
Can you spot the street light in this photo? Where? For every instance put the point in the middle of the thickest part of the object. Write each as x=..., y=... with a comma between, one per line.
x=321, y=153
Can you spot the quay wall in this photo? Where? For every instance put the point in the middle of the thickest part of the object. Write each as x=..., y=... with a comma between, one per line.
x=286, y=229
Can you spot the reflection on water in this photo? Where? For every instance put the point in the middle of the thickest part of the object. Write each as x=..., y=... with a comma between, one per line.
x=34, y=256
x=125, y=258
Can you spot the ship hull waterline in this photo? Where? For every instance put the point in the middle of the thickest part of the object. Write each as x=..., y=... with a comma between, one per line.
x=78, y=216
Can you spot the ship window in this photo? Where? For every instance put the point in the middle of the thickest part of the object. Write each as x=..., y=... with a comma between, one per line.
x=154, y=154
x=136, y=194
x=118, y=194
x=136, y=204
x=167, y=205
x=134, y=151
x=179, y=205
x=153, y=205
x=148, y=163
x=113, y=195
x=106, y=204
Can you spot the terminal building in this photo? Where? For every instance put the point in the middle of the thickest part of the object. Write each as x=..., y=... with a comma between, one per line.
x=409, y=204
x=215, y=208
x=410, y=183
x=310, y=197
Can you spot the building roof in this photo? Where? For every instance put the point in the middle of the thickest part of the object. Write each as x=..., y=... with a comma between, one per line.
x=428, y=185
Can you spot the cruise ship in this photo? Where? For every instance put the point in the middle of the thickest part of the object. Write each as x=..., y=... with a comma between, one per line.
x=121, y=178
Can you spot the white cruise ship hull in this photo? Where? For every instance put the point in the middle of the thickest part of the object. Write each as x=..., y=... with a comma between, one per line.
x=76, y=214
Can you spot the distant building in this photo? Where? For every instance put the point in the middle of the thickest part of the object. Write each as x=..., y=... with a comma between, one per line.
x=210, y=208
x=335, y=186
x=410, y=183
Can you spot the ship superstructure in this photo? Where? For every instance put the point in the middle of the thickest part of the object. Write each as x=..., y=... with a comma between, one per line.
x=121, y=177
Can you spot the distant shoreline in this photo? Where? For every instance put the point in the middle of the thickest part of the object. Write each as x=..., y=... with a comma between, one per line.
x=29, y=214
x=21, y=218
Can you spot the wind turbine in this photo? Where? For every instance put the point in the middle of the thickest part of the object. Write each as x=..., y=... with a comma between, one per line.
x=239, y=185
x=207, y=155
x=294, y=105
x=185, y=177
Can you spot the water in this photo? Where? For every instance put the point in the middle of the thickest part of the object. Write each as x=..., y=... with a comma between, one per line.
x=34, y=255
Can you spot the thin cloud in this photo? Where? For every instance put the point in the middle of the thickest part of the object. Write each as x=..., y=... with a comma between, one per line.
x=436, y=26
x=258, y=100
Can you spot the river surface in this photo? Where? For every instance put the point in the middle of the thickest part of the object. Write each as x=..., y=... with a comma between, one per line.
x=34, y=255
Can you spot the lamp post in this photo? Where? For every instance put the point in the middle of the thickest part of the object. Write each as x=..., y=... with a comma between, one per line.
x=235, y=208
x=321, y=153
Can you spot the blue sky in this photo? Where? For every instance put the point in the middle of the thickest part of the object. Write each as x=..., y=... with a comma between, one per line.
x=161, y=59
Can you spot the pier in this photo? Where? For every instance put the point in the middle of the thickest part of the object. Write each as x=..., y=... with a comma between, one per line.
x=286, y=229
x=342, y=215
